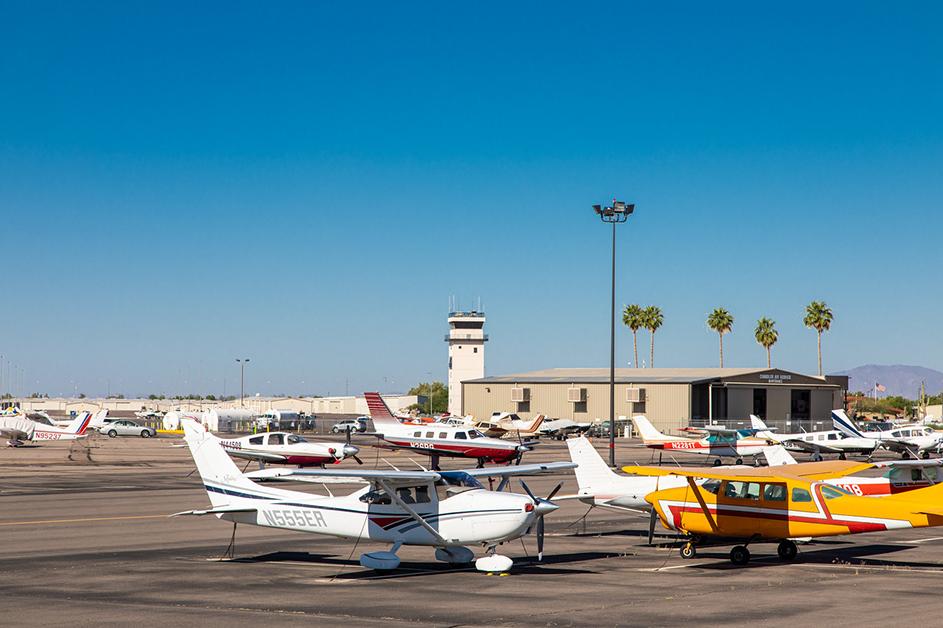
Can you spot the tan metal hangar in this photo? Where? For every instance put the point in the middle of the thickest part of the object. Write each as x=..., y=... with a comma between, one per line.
x=669, y=397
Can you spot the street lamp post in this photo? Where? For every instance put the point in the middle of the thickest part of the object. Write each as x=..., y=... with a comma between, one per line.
x=617, y=213
x=242, y=381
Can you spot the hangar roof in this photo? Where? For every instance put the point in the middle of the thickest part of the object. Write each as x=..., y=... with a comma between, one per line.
x=637, y=376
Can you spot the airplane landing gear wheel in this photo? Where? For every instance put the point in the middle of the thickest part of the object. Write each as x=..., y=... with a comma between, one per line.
x=841, y=456
x=816, y=457
x=925, y=455
x=688, y=550
x=905, y=455
x=739, y=555
x=787, y=550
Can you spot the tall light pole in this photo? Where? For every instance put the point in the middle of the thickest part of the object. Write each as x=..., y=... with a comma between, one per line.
x=617, y=213
x=242, y=381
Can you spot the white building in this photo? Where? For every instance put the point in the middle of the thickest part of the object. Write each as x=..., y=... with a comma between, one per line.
x=466, y=340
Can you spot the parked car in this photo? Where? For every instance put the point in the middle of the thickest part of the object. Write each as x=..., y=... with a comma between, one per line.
x=124, y=427
x=354, y=425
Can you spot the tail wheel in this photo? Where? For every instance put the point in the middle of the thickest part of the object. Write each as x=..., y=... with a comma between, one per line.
x=688, y=550
x=145, y=434
x=739, y=555
x=787, y=550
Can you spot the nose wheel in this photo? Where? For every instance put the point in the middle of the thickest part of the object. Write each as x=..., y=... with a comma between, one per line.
x=688, y=550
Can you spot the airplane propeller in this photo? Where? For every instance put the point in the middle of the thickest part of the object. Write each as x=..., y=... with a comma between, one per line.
x=350, y=451
x=542, y=507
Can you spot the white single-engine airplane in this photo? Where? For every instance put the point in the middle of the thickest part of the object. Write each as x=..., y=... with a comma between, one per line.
x=440, y=439
x=445, y=510
x=817, y=443
x=288, y=448
x=721, y=441
x=910, y=440
x=20, y=429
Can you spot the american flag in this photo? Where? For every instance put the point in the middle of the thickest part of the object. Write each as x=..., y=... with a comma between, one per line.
x=880, y=387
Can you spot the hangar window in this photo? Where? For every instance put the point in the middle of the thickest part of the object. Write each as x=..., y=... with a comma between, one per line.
x=801, y=495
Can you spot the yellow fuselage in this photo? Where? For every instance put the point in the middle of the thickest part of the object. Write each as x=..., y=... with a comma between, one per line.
x=782, y=508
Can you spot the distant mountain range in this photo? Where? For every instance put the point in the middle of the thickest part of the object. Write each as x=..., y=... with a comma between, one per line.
x=899, y=379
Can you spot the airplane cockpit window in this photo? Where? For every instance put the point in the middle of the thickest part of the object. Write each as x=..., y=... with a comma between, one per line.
x=276, y=439
x=475, y=434
x=801, y=495
x=376, y=496
x=711, y=486
x=896, y=434
x=292, y=439
x=461, y=435
x=831, y=492
x=774, y=492
x=256, y=440
x=833, y=436
x=454, y=482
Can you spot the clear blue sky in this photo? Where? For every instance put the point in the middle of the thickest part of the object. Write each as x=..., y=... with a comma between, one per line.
x=307, y=184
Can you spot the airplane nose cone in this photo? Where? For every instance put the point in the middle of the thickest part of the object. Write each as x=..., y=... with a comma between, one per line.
x=351, y=450
x=545, y=507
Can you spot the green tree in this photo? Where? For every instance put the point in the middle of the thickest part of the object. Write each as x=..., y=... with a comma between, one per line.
x=818, y=316
x=633, y=318
x=721, y=321
x=436, y=392
x=653, y=319
x=767, y=336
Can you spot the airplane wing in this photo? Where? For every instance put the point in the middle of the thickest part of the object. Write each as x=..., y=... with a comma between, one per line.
x=264, y=456
x=805, y=471
x=932, y=462
x=397, y=478
x=524, y=469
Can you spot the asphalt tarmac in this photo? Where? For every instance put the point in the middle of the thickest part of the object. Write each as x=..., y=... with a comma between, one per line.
x=86, y=540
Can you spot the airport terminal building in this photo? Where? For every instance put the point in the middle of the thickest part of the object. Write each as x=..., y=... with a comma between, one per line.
x=669, y=397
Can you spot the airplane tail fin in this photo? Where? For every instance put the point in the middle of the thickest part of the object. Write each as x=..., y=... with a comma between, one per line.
x=536, y=423
x=217, y=469
x=757, y=423
x=379, y=411
x=776, y=456
x=591, y=471
x=647, y=431
x=843, y=424
x=98, y=419
x=79, y=424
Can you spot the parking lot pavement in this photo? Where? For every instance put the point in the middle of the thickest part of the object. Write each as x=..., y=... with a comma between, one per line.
x=88, y=541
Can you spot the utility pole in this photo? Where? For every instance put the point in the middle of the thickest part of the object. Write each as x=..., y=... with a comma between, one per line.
x=242, y=381
x=618, y=213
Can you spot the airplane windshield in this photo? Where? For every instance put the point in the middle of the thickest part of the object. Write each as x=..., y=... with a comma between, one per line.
x=831, y=492
x=475, y=434
x=458, y=479
x=292, y=439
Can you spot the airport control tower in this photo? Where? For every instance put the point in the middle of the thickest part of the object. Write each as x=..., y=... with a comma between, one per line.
x=466, y=340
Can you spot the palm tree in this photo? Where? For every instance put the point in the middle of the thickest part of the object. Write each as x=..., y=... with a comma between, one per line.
x=633, y=317
x=721, y=321
x=767, y=336
x=653, y=319
x=818, y=316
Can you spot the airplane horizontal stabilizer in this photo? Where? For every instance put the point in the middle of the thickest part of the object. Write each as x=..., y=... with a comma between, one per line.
x=219, y=510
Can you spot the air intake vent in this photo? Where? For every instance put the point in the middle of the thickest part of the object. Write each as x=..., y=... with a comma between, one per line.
x=520, y=395
x=635, y=395
x=576, y=395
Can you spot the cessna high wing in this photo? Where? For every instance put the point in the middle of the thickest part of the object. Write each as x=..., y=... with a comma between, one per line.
x=507, y=424
x=720, y=442
x=440, y=439
x=287, y=448
x=908, y=441
x=444, y=510
x=778, y=504
x=19, y=429
x=601, y=486
x=817, y=443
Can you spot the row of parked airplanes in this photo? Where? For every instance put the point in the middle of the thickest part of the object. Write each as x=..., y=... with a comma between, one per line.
x=452, y=511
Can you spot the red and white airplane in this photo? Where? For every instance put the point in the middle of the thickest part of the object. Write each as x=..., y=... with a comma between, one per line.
x=20, y=429
x=721, y=442
x=440, y=439
x=287, y=448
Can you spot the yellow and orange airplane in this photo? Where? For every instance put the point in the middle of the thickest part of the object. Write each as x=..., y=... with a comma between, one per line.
x=770, y=504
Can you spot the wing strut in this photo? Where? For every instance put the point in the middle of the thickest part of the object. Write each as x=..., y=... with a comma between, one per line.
x=700, y=500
